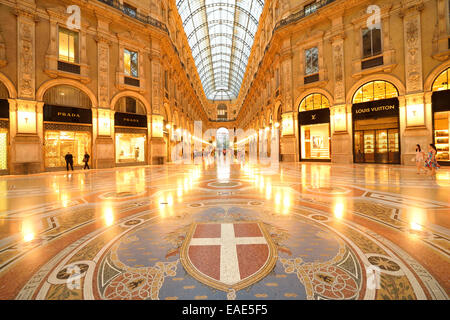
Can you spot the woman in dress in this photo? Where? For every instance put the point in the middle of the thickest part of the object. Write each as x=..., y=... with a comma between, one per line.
x=431, y=162
x=420, y=158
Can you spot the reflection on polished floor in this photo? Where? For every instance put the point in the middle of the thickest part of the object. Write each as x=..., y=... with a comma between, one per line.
x=226, y=231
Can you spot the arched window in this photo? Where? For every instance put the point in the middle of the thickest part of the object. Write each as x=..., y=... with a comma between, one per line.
x=314, y=101
x=130, y=105
x=441, y=82
x=67, y=96
x=375, y=90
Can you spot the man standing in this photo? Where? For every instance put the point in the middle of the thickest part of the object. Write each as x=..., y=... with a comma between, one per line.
x=86, y=160
x=69, y=160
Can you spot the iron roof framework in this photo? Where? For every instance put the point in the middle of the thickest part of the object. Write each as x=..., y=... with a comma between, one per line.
x=220, y=34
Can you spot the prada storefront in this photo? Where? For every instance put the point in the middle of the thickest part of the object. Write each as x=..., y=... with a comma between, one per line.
x=314, y=128
x=441, y=117
x=66, y=129
x=131, y=138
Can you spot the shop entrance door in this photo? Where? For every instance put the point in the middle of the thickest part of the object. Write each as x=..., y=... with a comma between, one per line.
x=377, y=146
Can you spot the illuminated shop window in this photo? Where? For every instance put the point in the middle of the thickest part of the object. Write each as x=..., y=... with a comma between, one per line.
x=68, y=45
x=375, y=90
x=3, y=149
x=130, y=62
x=442, y=121
x=312, y=61
x=371, y=41
x=130, y=147
x=58, y=143
x=314, y=101
x=441, y=82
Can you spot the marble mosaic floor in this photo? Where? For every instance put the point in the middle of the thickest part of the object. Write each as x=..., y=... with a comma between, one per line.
x=226, y=231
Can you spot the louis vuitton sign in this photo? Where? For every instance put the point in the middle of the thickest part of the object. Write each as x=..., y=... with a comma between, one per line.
x=130, y=120
x=376, y=109
x=67, y=114
x=314, y=116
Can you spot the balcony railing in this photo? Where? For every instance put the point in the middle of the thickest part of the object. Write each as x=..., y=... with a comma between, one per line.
x=136, y=15
x=301, y=14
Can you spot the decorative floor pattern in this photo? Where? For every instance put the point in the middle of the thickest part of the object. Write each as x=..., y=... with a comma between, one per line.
x=299, y=231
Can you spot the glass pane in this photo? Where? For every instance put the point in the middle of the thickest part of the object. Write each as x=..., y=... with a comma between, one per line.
x=317, y=101
x=127, y=62
x=309, y=102
x=134, y=63
x=441, y=83
x=130, y=105
x=68, y=45
x=358, y=98
x=379, y=91
x=367, y=43
x=368, y=92
x=391, y=91
x=312, y=61
x=63, y=46
x=130, y=147
x=376, y=42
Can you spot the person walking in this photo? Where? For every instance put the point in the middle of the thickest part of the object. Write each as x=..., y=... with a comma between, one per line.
x=431, y=162
x=69, y=161
x=86, y=160
x=420, y=158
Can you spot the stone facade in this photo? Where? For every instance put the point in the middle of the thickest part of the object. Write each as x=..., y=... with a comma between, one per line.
x=30, y=66
x=414, y=52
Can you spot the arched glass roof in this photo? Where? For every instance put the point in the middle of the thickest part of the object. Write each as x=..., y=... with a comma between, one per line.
x=220, y=34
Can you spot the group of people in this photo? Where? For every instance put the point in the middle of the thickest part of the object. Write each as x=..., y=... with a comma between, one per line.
x=427, y=161
x=69, y=161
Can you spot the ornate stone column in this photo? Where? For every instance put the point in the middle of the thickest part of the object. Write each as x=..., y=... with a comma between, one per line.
x=156, y=144
x=412, y=107
x=341, y=138
x=288, y=145
x=25, y=113
x=104, y=155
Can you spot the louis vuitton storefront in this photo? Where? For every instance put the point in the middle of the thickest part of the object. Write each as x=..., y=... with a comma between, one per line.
x=375, y=114
x=67, y=126
x=314, y=128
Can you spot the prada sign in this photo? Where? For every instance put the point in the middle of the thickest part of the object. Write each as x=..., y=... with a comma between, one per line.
x=441, y=101
x=376, y=109
x=314, y=116
x=130, y=120
x=4, y=109
x=67, y=114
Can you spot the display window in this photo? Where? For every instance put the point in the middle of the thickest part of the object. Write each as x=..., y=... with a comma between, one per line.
x=314, y=127
x=58, y=143
x=3, y=149
x=130, y=147
x=315, y=140
x=441, y=135
x=377, y=141
x=441, y=116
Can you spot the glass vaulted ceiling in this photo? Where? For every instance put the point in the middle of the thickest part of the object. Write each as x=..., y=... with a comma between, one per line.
x=220, y=34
